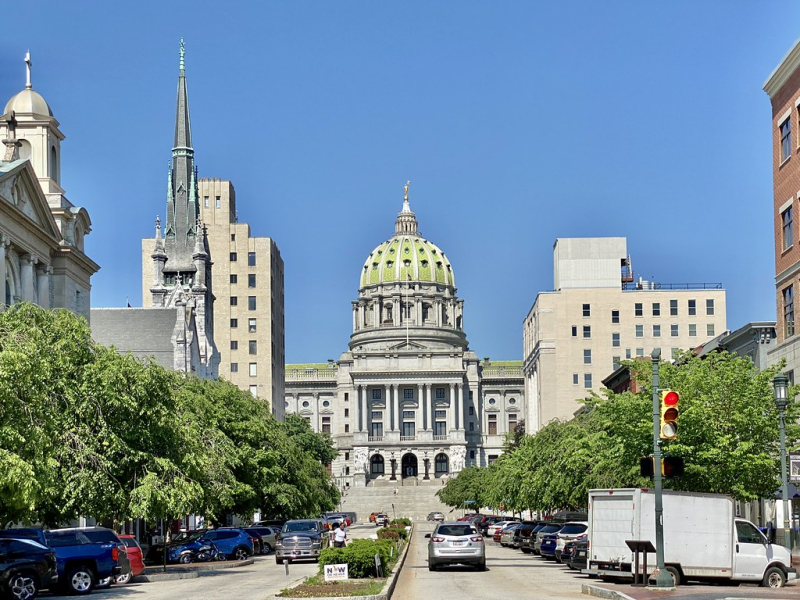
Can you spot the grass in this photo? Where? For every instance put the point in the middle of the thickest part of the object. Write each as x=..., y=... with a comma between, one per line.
x=316, y=586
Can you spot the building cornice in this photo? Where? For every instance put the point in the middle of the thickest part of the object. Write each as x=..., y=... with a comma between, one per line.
x=783, y=71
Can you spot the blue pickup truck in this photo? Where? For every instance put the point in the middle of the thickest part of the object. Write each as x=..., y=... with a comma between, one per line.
x=80, y=562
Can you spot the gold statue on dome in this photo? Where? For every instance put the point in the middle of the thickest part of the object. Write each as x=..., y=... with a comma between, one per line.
x=405, y=188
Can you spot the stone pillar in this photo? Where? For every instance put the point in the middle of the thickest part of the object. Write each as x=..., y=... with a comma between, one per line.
x=43, y=285
x=4, y=243
x=421, y=410
x=451, y=413
x=389, y=421
x=464, y=400
x=359, y=408
x=429, y=406
x=28, y=262
x=317, y=416
x=398, y=422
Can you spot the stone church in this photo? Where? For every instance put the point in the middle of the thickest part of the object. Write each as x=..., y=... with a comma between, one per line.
x=409, y=403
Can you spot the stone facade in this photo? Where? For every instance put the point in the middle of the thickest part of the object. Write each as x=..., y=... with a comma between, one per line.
x=409, y=403
x=42, y=257
x=576, y=335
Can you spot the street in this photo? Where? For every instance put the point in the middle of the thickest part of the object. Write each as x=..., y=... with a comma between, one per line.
x=510, y=574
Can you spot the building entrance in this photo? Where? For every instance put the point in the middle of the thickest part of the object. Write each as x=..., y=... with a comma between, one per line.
x=409, y=465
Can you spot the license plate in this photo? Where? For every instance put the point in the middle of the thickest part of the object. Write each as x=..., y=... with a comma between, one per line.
x=457, y=543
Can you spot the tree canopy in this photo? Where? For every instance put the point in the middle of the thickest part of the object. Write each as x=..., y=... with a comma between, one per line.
x=86, y=431
x=728, y=438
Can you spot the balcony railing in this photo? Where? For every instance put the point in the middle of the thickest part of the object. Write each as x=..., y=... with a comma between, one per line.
x=407, y=438
x=439, y=438
x=375, y=438
x=329, y=374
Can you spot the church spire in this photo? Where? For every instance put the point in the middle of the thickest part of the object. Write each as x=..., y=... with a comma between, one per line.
x=181, y=227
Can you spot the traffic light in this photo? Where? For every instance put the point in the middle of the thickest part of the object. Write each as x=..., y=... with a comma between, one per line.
x=669, y=414
x=672, y=466
x=646, y=466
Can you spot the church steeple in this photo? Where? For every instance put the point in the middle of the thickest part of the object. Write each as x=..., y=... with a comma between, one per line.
x=182, y=206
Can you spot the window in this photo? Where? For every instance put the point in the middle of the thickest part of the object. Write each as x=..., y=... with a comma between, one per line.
x=615, y=316
x=656, y=330
x=640, y=331
x=692, y=330
x=440, y=463
x=233, y=256
x=710, y=307
x=439, y=393
x=673, y=330
x=471, y=426
x=408, y=414
x=253, y=347
x=233, y=237
x=587, y=331
x=205, y=201
x=377, y=415
x=656, y=309
x=440, y=428
x=786, y=139
x=326, y=424
x=673, y=308
x=376, y=462
x=234, y=301
x=788, y=311
x=639, y=352
x=692, y=308
x=251, y=325
x=587, y=380
x=615, y=363
x=253, y=369
x=615, y=340
x=251, y=259
x=251, y=302
x=440, y=414
x=251, y=280
x=219, y=203
x=492, y=424
x=471, y=410
x=472, y=454
x=234, y=345
x=346, y=412
x=574, y=379
x=788, y=233
x=234, y=278
x=574, y=331
x=408, y=394
x=347, y=430
x=234, y=367
x=376, y=394
x=512, y=421
x=638, y=310
x=587, y=357
x=234, y=323
x=710, y=329
x=587, y=310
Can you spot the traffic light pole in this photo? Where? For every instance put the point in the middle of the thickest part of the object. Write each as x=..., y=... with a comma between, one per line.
x=663, y=578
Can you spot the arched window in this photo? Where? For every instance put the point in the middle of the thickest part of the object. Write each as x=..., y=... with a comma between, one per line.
x=376, y=465
x=10, y=285
x=53, y=164
x=440, y=464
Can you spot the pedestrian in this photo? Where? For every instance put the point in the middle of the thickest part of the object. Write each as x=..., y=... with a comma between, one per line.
x=339, y=536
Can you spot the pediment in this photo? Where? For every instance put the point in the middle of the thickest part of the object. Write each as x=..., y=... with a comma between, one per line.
x=20, y=190
x=409, y=344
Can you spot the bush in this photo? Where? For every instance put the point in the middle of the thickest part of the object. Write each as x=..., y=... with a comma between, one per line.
x=402, y=522
x=401, y=531
x=359, y=556
x=390, y=534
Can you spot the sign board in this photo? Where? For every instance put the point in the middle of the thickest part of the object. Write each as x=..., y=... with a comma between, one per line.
x=794, y=468
x=336, y=572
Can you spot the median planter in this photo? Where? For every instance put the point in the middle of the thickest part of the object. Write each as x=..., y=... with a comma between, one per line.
x=359, y=555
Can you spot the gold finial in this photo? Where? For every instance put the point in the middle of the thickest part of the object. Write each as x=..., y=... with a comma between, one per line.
x=405, y=188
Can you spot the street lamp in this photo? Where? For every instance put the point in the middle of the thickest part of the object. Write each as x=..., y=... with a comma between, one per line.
x=781, y=386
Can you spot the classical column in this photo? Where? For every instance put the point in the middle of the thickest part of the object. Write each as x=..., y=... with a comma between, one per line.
x=464, y=401
x=43, y=285
x=362, y=413
x=4, y=242
x=28, y=262
x=398, y=423
x=389, y=420
x=451, y=413
x=420, y=415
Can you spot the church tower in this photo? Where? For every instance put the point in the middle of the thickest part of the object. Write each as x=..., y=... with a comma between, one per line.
x=181, y=256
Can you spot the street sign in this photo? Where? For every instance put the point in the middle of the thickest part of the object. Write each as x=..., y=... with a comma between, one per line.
x=794, y=468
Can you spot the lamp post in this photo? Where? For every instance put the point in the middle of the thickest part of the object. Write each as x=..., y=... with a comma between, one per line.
x=780, y=385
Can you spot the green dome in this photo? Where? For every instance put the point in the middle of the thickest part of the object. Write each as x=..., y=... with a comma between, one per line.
x=407, y=258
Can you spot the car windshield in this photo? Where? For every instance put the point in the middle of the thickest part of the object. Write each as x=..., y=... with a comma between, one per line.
x=300, y=526
x=549, y=528
x=455, y=530
x=573, y=529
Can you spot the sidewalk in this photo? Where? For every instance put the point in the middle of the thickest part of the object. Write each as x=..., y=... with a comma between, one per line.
x=693, y=591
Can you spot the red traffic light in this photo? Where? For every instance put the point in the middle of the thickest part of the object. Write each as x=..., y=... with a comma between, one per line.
x=670, y=398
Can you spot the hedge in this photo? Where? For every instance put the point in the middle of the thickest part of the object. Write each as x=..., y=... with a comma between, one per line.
x=402, y=521
x=359, y=556
x=390, y=534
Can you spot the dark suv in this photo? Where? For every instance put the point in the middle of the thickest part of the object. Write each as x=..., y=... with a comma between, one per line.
x=26, y=567
x=520, y=535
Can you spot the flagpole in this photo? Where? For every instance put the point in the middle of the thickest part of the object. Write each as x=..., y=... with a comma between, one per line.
x=408, y=307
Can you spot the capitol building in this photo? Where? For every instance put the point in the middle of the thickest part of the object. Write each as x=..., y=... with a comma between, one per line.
x=408, y=403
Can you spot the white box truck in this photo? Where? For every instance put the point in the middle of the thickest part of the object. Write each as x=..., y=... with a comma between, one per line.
x=703, y=540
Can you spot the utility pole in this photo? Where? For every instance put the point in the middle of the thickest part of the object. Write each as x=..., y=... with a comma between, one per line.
x=663, y=577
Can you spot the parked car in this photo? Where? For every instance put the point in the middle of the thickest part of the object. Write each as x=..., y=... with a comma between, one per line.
x=569, y=532
x=103, y=535
x=269, y=536
x=301, y=539
x=526, y=543
x=437, y=516
x=578, y=558
x=339, y=517
x=456, y=543
x=496, y=526
x=155, y=552
x=522, y=532
x=135, y=557
x=546, y=530
x=373, y=515
x=507, y=536
x=270, y=523
x=232, y=543
x=547, y=546
x=26, y=566
x=382, y=520
x=79, y=561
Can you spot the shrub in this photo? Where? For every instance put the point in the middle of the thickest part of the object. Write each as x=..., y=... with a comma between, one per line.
x=401, y=531
x=389, y=534
x=402, y=521
x=359, y=556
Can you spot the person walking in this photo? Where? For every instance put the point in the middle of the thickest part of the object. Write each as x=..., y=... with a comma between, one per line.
x=339, y=536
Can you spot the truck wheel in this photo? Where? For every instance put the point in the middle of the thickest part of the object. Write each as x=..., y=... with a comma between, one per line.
x=676, y=574
x=774, y=578
x=80, y=580
x=23, y=586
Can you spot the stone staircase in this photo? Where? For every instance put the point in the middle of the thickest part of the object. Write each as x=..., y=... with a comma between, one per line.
x=414, y=499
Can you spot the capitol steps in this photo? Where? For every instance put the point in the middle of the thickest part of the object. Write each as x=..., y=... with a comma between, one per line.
x=413, y=499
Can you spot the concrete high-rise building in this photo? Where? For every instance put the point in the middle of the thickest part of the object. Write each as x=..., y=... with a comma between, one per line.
x=249, y=311
x=42, y=257
x=596, y=316
x=783, y=88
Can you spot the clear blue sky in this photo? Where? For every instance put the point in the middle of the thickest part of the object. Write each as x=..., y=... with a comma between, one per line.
x=516, y=122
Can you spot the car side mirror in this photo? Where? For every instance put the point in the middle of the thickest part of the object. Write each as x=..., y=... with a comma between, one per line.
x=427, y=535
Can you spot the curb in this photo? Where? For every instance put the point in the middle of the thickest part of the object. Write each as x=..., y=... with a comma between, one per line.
x=388, y=587
x=601, y=592
x=190, y=571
